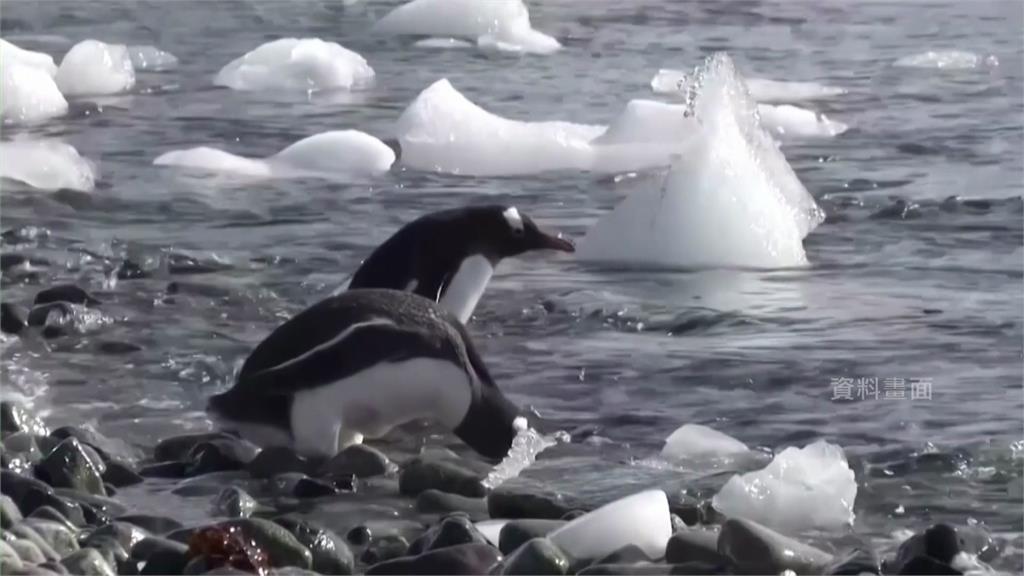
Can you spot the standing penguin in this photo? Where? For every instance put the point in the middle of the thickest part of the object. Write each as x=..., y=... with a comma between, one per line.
x=358, y=364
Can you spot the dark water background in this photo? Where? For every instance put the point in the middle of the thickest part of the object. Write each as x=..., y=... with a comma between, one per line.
x=936, y=294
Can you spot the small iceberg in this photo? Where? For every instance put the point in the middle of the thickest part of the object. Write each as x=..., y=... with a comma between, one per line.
x=802, y=488
x=29, y=93
x=498, y=24
x=947, y=60
x=668, y=81
x=693, y=441
x=340, y=153
x=11, y=53
x=445, y=43
x=47, y=165
x=152, y=59
x=93, y=68
x=444, y=131
x=641, y=520
x=787, y=121
x=729, y=200
x=307, y=64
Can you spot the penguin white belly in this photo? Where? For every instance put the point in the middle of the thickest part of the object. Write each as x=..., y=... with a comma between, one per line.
x=375, y=400
x=467, y=286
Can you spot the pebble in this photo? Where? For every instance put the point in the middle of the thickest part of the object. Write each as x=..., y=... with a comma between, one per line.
x=452, y=531
x=101, y=506
x=856, y=561
x=518, y=532
x=220, y=455
x=58, y=536
x=517, y=503
x=359, y=536
x=279, y=544
x=424, y=472
x=469, y=559
x=694, y=545
x=88, y=562
x=307, y=487
x=331, y=555
x=120, y=474
x=165, y=560
x=276, y=460
x=384, y=548
x=25, y=532
x=28, y=551
x=234, y=502
x=9, y=557
x=537, y=556
x=358, y=460
x=152, y=523
x=68, y=466
x=127, y=535
x=437, y=502
x=65, y=293
x=9, y=513
x=14, y=418
x=111, y=550
x=754, y=548
x=178, y=447
x=647, y=569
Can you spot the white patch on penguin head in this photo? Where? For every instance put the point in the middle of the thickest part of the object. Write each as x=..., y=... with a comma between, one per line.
x=513, y=218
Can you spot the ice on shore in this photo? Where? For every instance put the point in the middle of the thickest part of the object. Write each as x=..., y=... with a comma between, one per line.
x=94, y=68
x=947, y=60
x=307, y=64
x=152, y=58
x=499, y=24
x=47, y=165
x=668, y=81
x=697, y=441
x=328, y=154
x=641, y=520
x=787, y=121
x=729, y=200
x=444, y=131
x=801, y=489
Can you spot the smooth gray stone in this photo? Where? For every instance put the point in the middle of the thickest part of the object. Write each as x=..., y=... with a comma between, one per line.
x=151, y=523
x=940, y=542
x=28, y=551
x=57, y=535
x=234, y=502
x=221, y=455
x=9, y=513
x=468, y=559
x=110, y=548
x=126, y=534
x=15, y=418
x=120, y=474
x=18, y=487
x=279, y=544
x=102, y=504
x=510, y=502
x=537, y=556
x=275, y=460
x=10, y=557
x=88, y=562
x=694, y=545
x=628, y=554
x=26, y=532
x=178, y=447
x=49, y=513
x=384, y=548
x=22, y=445
x=649, y=569
x=518, y=532
x=170, y=469
x=423, y=473
x=927, y=565
x=161, y=556
x=153, y=544
x=756, y=549
x=69, y=466
x=54, y=566
x=359, y=460
x=856, y=561
x=331, y=555
x=451, y=531
x=437, y=502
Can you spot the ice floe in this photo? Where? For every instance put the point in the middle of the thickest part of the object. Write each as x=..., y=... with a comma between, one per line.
x=802, y=488
x=46, y=164
x=29, y=93
x=947, y=60
x=338, y=153
x=697, y=441
x=668, y=81
x=152, y=58
x=94, y=68
x=498, y=24
x=444, y=131
x=307, y=64
x=729, y=200
x=641, y=520
x=786, y=121
x=11, y=53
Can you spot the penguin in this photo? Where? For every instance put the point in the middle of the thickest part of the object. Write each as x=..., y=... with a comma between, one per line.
x=449, y=256
x=359, y=363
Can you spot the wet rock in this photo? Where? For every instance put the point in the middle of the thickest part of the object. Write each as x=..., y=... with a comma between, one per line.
x=463, y=559
x=219, y=456
x=179, y=447
x=753, y=548
x=694, y=545
x=12, y=319
x=54, y=567
x=53, y=507
x=384, y=548
x=629, y=554
x=359, y=536
x=927, y=565
x=88, y=562
x=65, y=293
x=275, y=460
x=15, y=418
x=425, y=472
x=518, y=532
x=537, y=556
x=68, y=466
x=28, y=551
x=330, y=553
x=165, y=560
x=101, y=505
x=120, y=474
x=48, y=513
x=9, y=513
x=127, y=535
x=56, y=535
x=151, y=545
x=307, y=487
x=518, y=503
x=18, y=488
x=940, y=542
x=857, y=561
x=358, y=460
x=111, y=550
x=234, y=503
x=23, y=442
x=279, y=544
x=164, y=470
x=27, y=533
x=648, y=569
x=434, y=501
x=452, y=531
x=10, y=559
x=977, y=541
x=151, y=523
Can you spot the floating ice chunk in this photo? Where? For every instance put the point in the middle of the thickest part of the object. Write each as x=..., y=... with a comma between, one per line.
x=296, y=64
x=46, y=164
x=442, y=43
x=787, y=122
x=668, y=81
x=697, y=441
x=647, y=134
x=641, y=520
x=29, y=93
x=527, y=444
x=93, y=68
x=152, y=58
x=802, y=488
x=731, y=199
x=442, y=130
x=947, y=60
x=11, y=53
x=500, y=24
x=327, y=155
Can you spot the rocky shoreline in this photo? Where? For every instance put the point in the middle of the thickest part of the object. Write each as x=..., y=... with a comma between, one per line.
x=61, y=514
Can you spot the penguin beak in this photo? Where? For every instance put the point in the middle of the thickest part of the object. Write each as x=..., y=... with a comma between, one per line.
x=552, y=242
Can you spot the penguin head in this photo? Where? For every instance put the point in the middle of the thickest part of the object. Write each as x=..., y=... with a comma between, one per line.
x=504, y=232
x=491, y=423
